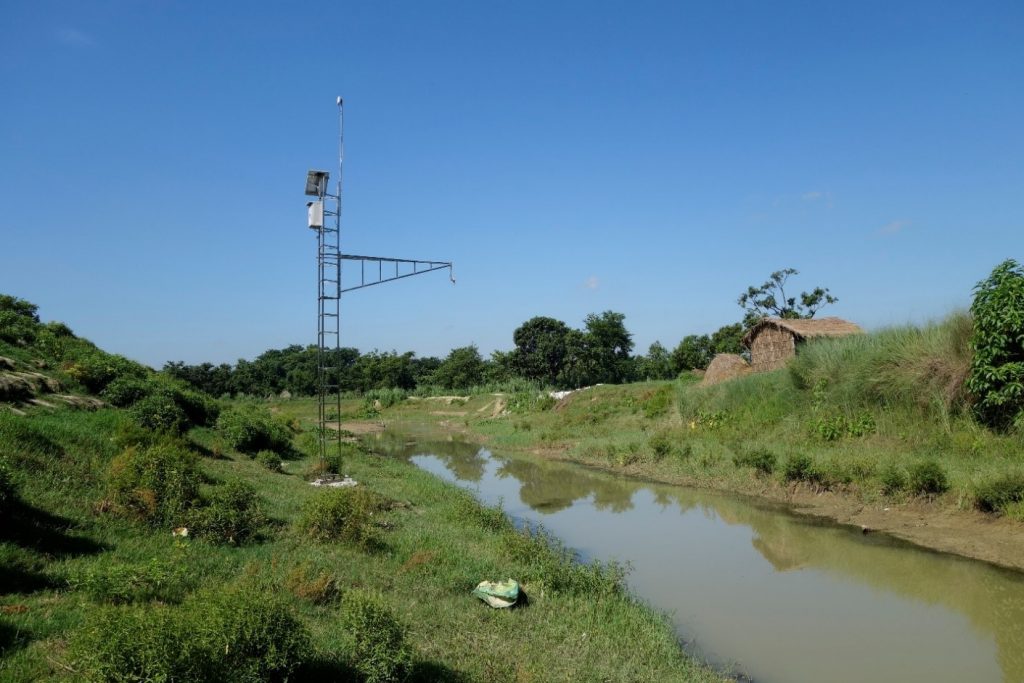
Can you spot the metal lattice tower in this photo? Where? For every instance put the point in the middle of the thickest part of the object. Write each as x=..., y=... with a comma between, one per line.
x=327, y=224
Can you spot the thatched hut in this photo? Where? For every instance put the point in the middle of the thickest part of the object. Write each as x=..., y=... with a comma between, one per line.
x=725, y=366
x=773, y=341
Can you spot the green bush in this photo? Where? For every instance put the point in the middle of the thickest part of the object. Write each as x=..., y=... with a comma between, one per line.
x=17, y=329
x=342, y=515
x=760, y=459
x=124, y=392
x=269, y=460
x=799, y=467
x=126, y=583
x=256, y=635
x=996, y=494
x=379, y=651
x=160, y=413
x=159, y=483
x=894, y=479
x=96, y=369
x=143, y=644
x=243, y=634
x=997, y=369
x=661, y=444
x=231, y=514
x=926, y=478
x=251, y=429
x=658, y=403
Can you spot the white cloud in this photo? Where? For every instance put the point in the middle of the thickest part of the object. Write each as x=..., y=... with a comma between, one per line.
x=893, y=227
x=74, y=37
x=592, y=282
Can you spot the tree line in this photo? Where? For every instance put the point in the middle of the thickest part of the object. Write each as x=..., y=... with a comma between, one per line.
x=547, y=352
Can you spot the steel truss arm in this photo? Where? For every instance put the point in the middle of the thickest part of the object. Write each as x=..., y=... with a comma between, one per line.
x=418, y=268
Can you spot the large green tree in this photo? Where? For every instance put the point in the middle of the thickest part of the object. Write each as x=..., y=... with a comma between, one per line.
x=693, y=352
x=540, y=349
x=771, y=299
x=462, y=369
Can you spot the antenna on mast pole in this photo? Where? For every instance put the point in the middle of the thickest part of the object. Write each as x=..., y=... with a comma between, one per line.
x=329, y=291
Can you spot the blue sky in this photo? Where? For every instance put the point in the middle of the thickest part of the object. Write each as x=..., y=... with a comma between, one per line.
x=569, y=157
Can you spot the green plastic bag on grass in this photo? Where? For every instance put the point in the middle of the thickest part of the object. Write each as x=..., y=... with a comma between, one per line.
x=498, y=593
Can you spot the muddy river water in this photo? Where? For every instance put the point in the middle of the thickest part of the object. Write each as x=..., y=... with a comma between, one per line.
x=754, y=589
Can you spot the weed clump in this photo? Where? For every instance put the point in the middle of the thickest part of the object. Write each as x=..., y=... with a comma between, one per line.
x=662, y=445
x=996, y=495
x=658, y=403
x=927, y=478
x=379, y=651
x=159, y=413
x=231, y=515
x=159, y=483
x=316, y=587
x=343, y=515
x=761, y=460
x=250, y=429
x=8, y=489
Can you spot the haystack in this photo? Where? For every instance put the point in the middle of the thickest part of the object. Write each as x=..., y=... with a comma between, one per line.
x=773, y=341
x=723, y=367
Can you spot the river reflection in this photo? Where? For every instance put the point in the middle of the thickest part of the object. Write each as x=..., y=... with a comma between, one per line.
x=777, y=596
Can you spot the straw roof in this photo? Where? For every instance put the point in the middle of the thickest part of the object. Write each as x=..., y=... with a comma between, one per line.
x=725, y=366
x=804, y=328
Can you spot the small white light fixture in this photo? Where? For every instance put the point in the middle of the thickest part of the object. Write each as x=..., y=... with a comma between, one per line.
x=316, y=183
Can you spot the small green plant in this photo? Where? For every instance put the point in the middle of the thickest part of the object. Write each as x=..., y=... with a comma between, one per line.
x=836, y=427
x=927, y=478
x=379, y=651
x=710, y=419
x=232, y=514
x=761, y=460
x=894, y=479
x=343, y=515
x=270, y=460
x=999, y=493
x=159, y=483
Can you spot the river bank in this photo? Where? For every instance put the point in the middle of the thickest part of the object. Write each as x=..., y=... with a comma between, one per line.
x=613, y=429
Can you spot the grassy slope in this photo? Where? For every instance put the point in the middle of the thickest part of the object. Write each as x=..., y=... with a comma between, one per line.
x=577, y=627
x=901, y=387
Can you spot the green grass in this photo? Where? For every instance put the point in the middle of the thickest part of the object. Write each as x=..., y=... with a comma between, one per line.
x=70, y=565
x=880, y=416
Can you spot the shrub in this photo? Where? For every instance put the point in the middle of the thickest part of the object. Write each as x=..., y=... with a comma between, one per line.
x=798, y=467
x=232, y=514
x=894, y=479
x=157, y=483
x=131, y=582
x=926, y=478
x=251, y=429
x=96, y=369
x=761, y=460
x=142, y=644
x=658, y=403
x=995, y=495
x=160, y=413
x=17, y=329
x=270, y=460
x=342, y=515
x=124, y=392
x=661, y=445
x=256, y=636
x=379, y=651
x=243, y=634
x=997, y=369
